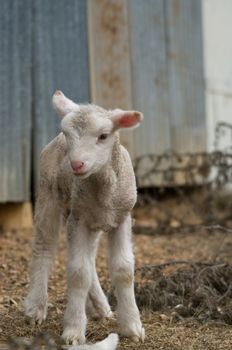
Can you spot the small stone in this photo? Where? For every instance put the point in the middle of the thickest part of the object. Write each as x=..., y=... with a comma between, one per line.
x=147, y=223
x=175, y=224
x=164, y=317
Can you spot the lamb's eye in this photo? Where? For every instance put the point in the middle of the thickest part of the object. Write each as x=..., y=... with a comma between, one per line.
x=103, y=137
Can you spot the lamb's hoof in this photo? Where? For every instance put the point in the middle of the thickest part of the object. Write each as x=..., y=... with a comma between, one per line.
x=135, y=331
x=99, y=313
x=72, y=336
x=138, y=338
x=35, y=313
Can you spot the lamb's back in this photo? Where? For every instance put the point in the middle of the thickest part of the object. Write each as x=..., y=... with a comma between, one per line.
x=126, y=192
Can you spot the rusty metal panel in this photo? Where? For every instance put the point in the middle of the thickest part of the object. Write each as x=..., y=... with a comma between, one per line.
x=60, y=61
x=186, y=76
x=109, y=53
x=15, y=100
x=110, y=56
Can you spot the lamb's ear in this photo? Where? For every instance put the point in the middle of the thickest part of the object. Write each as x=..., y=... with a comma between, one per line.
x=126, y=119
x=62, y=104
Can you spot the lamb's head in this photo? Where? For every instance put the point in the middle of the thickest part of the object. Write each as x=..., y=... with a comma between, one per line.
x=90, y=132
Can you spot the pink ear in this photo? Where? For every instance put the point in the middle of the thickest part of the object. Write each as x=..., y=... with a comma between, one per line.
x=126, y=119
x=62, y=104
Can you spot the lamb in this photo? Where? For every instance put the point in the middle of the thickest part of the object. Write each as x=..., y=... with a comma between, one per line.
x=86, y=180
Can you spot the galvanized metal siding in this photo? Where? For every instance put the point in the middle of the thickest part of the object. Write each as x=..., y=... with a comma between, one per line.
x=60, y=61
x=167, y=75
x=167, y=79
x=15, y=100
x=217, y=29
x=149, y=64
x=186, y=77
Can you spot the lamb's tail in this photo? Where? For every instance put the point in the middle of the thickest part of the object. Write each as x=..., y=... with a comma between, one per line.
x=110, y=343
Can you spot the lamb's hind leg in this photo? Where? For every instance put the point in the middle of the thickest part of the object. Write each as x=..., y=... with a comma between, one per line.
x=97, y=303
x=47, y=222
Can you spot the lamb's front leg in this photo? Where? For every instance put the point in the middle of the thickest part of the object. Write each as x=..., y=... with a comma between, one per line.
x=121, y=260
x=81, y=260
x=47, y=222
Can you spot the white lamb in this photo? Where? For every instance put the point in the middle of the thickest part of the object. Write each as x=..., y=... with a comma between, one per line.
x=87, y=179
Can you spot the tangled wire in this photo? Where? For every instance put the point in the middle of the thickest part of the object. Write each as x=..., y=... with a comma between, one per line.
x=202, y=291
x=191, y=169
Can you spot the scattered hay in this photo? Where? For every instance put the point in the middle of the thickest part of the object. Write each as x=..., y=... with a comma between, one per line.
x=199, y=294
x=195, y=292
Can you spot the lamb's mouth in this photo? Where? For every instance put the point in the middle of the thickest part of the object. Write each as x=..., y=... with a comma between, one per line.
x=83, y=174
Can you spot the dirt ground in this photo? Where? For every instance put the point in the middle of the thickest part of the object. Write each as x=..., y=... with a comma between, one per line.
x=163, y=329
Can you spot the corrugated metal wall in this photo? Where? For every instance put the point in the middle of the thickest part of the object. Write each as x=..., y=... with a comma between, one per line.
x=44, y=47
x=15, y=100
x=148, y=41
x=142, y=54
x=186, y=77
x=60, y=61
x=217, y=29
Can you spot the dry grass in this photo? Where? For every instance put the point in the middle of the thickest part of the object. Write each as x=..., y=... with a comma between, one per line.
x=166, y=326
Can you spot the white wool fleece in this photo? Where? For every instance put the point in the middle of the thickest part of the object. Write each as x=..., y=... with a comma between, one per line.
x=87, y=181
x=110, y=343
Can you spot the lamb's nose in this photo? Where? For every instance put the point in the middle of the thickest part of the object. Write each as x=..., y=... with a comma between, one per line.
x=77, y=166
